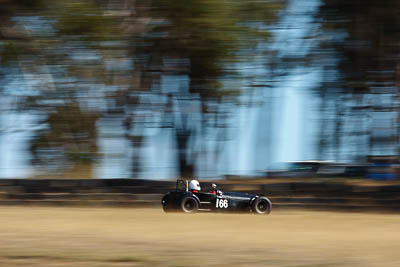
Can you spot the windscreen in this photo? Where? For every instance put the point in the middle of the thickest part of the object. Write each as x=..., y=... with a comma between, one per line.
x=180, y=185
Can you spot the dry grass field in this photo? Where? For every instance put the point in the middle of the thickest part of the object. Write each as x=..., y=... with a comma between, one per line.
x=62, y=236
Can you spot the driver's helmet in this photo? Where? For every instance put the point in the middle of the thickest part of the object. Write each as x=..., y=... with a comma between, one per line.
x=194, y=185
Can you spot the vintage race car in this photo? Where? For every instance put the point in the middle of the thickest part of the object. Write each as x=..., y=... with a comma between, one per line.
x=186, y=201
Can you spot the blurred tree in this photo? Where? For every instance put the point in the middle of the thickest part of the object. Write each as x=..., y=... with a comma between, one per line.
x=14, y=41
x=361, y=38
x=82, y=32
x=202, y=42
x=58, y=48
x=70, y=49
x=71, y=138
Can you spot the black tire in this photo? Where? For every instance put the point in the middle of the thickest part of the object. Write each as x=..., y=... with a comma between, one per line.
x=166, y=208
x=189, y=204
x=262, y=205
x=164, y=203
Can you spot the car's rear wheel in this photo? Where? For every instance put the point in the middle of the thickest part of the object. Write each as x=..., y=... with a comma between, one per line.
x=189, y=204
x=166, y=208
x=165, y=203
x=262, y=205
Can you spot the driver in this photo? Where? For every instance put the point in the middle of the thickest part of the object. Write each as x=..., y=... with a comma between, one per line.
x=194, y=186
x=213, y=189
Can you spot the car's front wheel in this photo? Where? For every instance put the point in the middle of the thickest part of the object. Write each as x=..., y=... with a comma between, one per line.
x=189, y=204
x=262, y=205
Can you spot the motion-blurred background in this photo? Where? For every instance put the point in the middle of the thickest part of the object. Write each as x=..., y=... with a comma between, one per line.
x=161, y=89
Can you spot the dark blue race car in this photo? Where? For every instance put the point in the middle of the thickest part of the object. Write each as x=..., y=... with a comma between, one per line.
x=190, y=201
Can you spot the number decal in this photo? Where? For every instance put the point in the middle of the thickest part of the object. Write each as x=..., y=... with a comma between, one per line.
x=221, y=203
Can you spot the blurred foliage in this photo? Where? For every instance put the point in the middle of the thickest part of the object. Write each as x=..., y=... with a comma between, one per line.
x=71, y=136
x=57, y=44
x=212, y=35
x=202, y=40
x=86, y=60
x=72, y=48
x=359, y=45
x=84, y=20
x=371, y=31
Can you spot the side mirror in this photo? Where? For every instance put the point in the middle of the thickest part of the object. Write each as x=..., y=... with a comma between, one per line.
x=219, y=193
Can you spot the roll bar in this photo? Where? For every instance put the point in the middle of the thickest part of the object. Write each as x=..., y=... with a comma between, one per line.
x=180, y=183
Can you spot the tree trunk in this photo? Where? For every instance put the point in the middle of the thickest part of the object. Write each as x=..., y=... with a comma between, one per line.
x=338, y=128
x=182, y=139
x=322, y=142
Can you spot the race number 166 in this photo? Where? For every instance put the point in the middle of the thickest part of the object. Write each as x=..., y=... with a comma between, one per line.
x=221, y=203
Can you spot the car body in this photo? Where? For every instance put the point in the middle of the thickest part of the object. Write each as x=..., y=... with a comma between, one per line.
x=235, y=202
